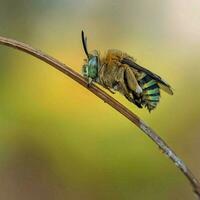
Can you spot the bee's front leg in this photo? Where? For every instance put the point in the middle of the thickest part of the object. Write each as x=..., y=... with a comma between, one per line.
x=102, y=77
x=90, y=80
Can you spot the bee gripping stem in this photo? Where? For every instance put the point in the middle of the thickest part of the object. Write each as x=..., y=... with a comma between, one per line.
x=112, y=102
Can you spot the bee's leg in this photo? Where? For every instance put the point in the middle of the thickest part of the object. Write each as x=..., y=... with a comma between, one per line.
x=132, y=81
x=110, y=90
x=122, y=85
x=101, y=79
x=89, y=82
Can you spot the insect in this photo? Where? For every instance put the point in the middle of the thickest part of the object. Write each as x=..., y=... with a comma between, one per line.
x=117, y=71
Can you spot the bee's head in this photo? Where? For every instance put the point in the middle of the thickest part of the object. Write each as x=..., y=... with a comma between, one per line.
x=90, y=68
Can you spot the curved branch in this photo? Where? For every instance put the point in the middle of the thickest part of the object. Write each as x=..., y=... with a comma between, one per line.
x=112, y=102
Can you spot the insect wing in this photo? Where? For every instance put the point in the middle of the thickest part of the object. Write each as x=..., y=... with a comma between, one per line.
x=163, y=84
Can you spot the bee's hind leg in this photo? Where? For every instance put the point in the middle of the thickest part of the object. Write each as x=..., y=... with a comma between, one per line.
x=132, y=81
x=121, y=85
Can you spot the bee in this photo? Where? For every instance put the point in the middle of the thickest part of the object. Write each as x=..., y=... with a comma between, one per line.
x=118, y=71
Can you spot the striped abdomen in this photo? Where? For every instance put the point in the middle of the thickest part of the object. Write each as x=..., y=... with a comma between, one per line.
x=151, y=92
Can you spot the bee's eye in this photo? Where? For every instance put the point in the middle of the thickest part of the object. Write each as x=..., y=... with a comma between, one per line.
x=93, y=62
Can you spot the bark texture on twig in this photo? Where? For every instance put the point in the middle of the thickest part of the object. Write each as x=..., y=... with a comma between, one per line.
x=112, y=102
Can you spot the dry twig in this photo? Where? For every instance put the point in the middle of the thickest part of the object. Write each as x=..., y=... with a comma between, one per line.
x=112, y=102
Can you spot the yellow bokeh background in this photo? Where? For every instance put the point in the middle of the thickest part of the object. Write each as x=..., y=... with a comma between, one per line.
x=58, y=140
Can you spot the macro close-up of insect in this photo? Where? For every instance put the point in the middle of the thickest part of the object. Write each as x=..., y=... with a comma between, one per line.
x=99, y=100
x=117, y=71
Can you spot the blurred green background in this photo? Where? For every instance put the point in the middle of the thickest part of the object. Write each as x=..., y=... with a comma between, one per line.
x=59, y=141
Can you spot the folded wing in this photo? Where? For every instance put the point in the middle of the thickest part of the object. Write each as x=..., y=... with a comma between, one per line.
x=162, y=83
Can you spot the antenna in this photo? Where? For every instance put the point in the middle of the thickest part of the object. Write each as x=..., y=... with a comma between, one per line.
x=84, y=41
